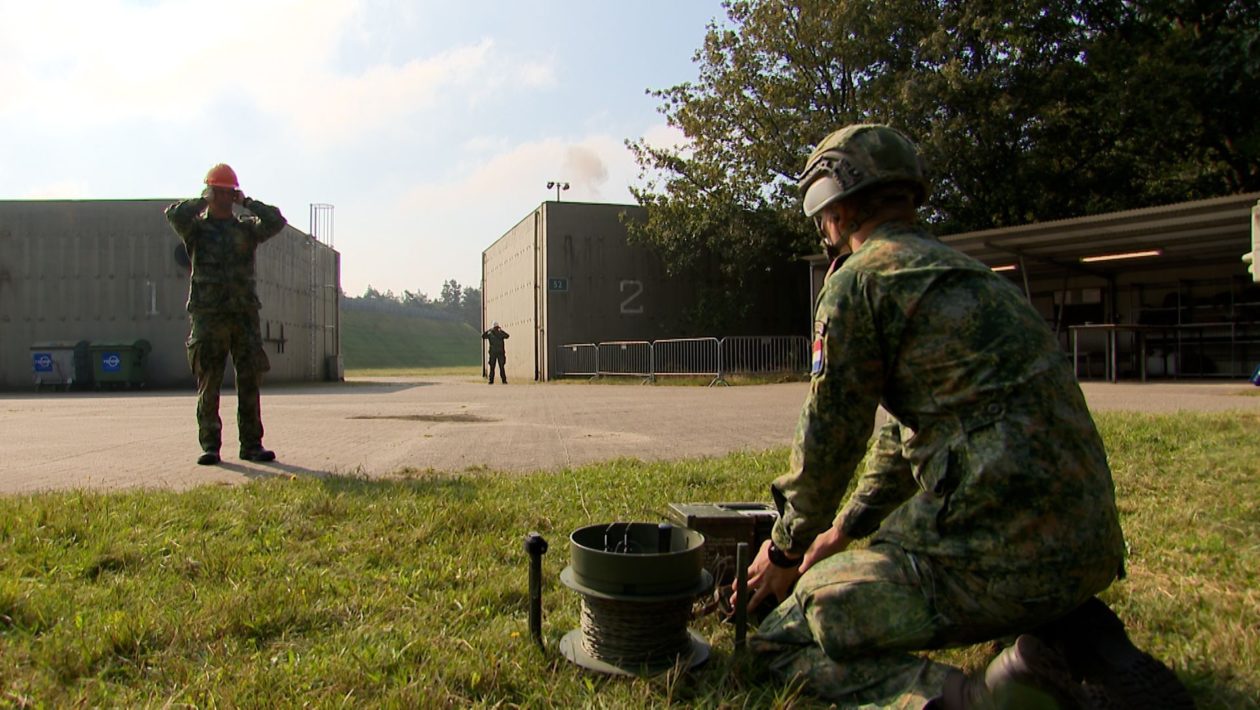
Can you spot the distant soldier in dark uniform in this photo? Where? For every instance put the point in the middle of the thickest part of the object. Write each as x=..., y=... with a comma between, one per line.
x=224, y=305
x=495, y=337
x=987, y=498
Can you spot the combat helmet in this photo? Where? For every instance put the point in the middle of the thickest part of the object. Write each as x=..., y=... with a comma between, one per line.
x=855, y=158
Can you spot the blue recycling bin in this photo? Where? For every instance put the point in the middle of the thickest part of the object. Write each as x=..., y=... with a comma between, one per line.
x=61, y=364
x=119, y=363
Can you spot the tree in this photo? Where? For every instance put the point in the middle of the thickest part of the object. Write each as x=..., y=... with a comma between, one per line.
x=451, y=294
x=415, y=299
x=1051, y=111
x=1023, y=111
x=470, y=306
x=724, y=207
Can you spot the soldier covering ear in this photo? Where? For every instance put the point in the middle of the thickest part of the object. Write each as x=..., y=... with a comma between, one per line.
x=223, y=305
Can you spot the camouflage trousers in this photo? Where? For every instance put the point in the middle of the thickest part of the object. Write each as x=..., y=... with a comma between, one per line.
x=214, y=336
x=852, y=624
x=499, y=359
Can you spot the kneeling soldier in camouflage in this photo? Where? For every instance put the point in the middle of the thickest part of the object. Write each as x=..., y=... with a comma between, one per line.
x=987, y=499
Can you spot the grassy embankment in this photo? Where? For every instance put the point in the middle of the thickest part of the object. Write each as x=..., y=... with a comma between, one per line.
x=412, y=592
x=391, y=343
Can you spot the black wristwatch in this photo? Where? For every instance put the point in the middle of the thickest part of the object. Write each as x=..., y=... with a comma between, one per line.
x=779, y=558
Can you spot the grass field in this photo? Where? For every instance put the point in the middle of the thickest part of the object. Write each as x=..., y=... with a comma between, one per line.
x=411, y=592
x=470, y=371
x=381, y=340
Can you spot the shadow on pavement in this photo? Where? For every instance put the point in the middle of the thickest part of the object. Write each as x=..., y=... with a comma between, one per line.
x=324, y=388
x=355, y=387
x=439, y=485
x=94, y=394
x=273, y=469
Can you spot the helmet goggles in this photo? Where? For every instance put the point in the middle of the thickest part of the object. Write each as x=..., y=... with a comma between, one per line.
x=822, y=183
x=855, y=158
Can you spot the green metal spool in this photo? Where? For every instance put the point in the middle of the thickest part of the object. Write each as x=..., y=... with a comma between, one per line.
x=637, y=582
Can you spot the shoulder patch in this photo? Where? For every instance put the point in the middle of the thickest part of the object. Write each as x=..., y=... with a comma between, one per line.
x=816, y=362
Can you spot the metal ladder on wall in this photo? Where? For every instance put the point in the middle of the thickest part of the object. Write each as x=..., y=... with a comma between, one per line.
x=322, y=231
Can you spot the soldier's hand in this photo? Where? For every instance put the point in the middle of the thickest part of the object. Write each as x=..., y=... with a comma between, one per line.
x=824, y=546
x=765, y=579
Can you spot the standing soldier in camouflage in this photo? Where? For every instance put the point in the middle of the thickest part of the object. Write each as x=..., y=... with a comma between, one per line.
x=987, y=499
x=224, y=306
x=495, y=336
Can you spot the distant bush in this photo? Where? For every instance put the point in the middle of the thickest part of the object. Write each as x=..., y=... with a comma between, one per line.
x=456, y=302
x=430, y=309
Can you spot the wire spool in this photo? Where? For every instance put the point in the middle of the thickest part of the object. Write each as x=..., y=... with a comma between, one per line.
x=637, y=582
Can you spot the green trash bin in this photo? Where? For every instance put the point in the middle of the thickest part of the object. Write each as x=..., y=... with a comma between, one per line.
x=119, y=363
x=61, y=364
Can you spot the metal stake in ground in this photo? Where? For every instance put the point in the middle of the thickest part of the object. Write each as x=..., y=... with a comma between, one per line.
x=741, y=595
x=536, y=547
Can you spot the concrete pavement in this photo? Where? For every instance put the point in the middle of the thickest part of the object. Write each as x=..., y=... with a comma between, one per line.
x=379, y=426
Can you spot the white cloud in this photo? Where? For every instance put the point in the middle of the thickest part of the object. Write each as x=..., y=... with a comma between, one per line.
x=661, y=137
x=450, y=221
x=424, y=121
x=665, y=136
x=536, y=75
x=517, y=177
x=108, y=61
x=65, y=190
x=483, y=144
x=335, y=107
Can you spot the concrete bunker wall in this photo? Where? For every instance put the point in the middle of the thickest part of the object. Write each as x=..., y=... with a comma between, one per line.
x=111, y=270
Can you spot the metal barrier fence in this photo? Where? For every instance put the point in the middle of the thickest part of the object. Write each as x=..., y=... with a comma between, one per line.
x=707, y=357
x=687, y=356
x=625, y=357
x=578, y=359
x=772, y=353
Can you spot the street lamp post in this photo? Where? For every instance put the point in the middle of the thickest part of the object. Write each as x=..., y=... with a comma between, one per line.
x=558, y=186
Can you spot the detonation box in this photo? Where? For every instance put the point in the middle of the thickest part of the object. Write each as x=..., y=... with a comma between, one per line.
x=725, y=525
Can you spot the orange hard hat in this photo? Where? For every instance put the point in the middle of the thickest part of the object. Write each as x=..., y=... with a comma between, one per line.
x=222, y=175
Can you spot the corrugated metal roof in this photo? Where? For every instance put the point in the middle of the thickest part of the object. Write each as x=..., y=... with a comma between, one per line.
x=1198, y=231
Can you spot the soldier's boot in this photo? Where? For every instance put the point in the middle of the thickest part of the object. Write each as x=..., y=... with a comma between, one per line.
x=1118, y=674
x=257, y=453
x=210, y=443
x=208, y=438
x=1028, y=675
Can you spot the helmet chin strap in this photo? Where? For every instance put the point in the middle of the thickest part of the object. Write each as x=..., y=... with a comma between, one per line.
x=835, y=251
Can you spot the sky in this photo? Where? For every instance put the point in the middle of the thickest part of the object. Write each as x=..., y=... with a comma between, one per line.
x=431, y=126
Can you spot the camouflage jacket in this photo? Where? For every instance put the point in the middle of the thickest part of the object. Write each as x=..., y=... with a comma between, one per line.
x=495, y=337
x=222, y=253
x=990, y=458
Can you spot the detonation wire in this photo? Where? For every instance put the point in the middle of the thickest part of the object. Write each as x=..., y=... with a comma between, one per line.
x=622, y=632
